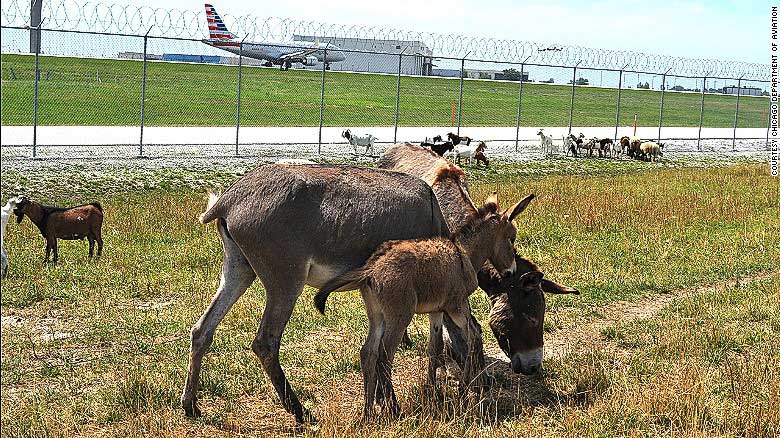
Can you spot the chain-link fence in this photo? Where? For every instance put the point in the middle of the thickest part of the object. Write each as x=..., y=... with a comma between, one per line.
x=88, y=93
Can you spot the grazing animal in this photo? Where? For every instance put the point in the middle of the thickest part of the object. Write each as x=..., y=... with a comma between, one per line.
x=570, y=144
x=457, y=139
x=443, y=147
x=517, y=312
x=588, y=146
x=651, y=150
x=451, y=189
x=432, y=276
x=366, y=140
x=625, y=143
x=291, y=226
x=469, y=152
x=5, y=213
x=606, y=147
x=70, y=223
x=480, y=156
x=634, y=149
x=547, y=142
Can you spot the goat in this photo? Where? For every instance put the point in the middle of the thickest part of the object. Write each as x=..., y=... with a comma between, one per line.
x=634, y=150
x=651, y=150
x=5, y=213
x=470, y=152
x=606, y=147
x=366, y=140
x=547, y=142
x=480, y=156
x=434, y=276
x=438, y=146
x=570, y=144
x=457, y=139
x=624, y=144
x=72, y=223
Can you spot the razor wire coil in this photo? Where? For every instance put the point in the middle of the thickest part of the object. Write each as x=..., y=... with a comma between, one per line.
x=132, y=19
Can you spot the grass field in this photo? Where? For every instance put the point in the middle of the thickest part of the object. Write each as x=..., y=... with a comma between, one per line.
x=649, y=348
x=107, y=92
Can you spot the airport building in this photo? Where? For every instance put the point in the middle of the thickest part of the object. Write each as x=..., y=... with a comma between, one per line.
x=417, y=59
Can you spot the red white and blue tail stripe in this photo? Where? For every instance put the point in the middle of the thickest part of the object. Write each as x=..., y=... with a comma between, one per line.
x=217, y=28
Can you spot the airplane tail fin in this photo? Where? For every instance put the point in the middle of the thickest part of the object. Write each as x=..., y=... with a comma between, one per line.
x=217, y=28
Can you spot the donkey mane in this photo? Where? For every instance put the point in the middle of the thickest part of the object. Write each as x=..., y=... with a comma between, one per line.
x=447, y=170
x=474, y=222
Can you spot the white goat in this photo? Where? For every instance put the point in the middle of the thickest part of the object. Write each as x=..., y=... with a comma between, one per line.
x=547, y=142
x=5, y=213
x=468, y=151
x=366, y=140
x=651, y=150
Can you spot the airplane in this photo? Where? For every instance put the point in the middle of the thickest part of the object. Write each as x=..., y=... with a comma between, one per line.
x=283, y=54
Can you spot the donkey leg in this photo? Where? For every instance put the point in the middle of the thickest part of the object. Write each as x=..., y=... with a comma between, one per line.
x=91, y=240
x=474, y=363
x=237, y=276
x=369, y=355
x=99, y=238
x=435, y=345
x=281, y=298
x=391, y=338
x=48, y=252
x=55, y=252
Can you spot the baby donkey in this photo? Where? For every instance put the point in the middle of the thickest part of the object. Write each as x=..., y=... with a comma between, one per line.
x=433, y=276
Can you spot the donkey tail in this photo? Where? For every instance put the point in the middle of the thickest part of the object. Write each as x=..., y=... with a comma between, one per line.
x=97, y=205
x=209, y=215
x=354, y=278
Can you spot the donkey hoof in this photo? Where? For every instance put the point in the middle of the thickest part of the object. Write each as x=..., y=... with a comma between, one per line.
x=305, y=417
x=190, y=408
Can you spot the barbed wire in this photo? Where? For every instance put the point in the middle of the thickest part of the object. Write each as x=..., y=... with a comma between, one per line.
x=132, y=19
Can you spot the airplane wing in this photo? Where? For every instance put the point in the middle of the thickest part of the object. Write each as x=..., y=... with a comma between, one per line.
x=298, y=55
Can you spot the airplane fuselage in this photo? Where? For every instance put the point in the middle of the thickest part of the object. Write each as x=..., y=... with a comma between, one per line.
x=275, y=52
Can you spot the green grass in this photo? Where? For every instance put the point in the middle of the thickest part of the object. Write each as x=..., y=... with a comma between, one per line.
x=100, y=347
x=205, y=95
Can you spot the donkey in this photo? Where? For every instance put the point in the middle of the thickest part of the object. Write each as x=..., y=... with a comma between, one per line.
x=69, y=223
x=296, y=225
x=432, y=276
x=451, y=188
x=517, y=312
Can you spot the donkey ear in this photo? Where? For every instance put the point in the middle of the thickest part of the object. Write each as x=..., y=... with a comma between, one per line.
x=552, y=287
x=518, y=208
x=489, y=279
x=491, y=202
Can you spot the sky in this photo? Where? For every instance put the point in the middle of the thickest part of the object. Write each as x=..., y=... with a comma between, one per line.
x=719, y=29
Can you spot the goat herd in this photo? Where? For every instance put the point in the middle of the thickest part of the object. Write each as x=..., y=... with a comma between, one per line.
x=459, y=147
x=422, y=249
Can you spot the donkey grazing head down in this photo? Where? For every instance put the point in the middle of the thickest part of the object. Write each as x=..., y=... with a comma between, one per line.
x=517, y=315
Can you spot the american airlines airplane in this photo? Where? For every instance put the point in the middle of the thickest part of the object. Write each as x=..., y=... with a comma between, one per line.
x=281, y=54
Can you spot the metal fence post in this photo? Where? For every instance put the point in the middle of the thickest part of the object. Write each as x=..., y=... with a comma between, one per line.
x=520, y=102
x=37, y=31
x=571, y=102
x=398, y=94
x=460, y=96
x=617, y=108
x=322, y=100
x=701, y=112
x=238, y=91
x=736, y=115
x=661, y=111
x=143, y=96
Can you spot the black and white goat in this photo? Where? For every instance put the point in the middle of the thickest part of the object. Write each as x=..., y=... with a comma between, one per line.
x=366, y=140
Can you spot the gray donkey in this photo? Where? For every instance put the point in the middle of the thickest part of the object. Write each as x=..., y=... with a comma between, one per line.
x=291, y=225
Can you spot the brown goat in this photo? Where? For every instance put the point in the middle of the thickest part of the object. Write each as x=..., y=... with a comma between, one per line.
x=73, y=223
x=458, y=139
x=433, y=276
